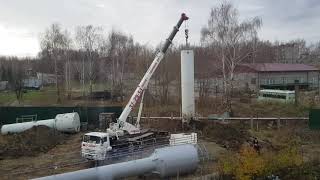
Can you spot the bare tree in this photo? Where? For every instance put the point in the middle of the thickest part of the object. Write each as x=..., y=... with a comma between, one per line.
x=205, y=66
x=89, y=40
x=167, y=74
x=69, y=70
x=119, y=51
x=233, y=39
x=16, y=75
x=54, y=43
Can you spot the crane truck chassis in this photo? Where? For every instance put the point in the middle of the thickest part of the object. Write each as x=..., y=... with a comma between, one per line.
x=100, y=146
x=122, y=137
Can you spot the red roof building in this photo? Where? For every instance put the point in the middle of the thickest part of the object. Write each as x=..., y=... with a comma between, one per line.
x=277, y=76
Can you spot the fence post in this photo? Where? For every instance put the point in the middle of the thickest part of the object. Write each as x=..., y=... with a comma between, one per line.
x=178, y=174
x=251, y=123
x=278, y=123
x=257, y=124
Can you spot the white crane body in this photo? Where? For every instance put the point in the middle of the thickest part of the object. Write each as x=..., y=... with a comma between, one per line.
x=122, y=124
x=131, y=129
x=98, y=145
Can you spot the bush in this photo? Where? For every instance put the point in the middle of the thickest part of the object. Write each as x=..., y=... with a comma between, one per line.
x=248, y=164
x=286, y=158
x=244, y=166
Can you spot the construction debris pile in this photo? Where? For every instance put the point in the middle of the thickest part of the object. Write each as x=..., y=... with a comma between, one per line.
x=226, y=135
x=30, y=142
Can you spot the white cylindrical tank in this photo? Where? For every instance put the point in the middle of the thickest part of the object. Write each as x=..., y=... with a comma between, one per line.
x=69, y=122
x=172, y=160
x=20, y=127
x=187, y=84
x=167, y=161
x=17, y=127
x=48, y=123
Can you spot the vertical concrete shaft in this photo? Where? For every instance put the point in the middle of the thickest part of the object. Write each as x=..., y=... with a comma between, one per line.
x=187, y=84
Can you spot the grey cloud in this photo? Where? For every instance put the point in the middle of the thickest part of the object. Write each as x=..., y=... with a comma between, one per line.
x=150, y=21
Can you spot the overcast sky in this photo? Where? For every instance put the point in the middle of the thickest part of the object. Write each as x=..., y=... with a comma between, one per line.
x=149, y=21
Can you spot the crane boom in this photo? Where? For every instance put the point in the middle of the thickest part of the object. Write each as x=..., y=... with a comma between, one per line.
x=145, y=80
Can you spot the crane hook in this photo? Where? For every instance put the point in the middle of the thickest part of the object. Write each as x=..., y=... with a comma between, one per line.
x=186, y=32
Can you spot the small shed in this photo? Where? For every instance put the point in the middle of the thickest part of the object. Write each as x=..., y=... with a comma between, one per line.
x=4, y=85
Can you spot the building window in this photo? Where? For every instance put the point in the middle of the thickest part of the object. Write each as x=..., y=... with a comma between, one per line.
x=270, y=81
x=285, y=80
x=253, y=80
x=278, y=96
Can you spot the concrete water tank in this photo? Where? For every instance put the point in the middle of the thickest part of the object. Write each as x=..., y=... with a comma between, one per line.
x=69, y=122
x=187, y=84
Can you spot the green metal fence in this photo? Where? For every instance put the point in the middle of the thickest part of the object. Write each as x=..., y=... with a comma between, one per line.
x=314, y=119
x=8, y=115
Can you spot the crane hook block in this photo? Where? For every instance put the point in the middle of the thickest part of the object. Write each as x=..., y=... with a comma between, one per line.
x=184, y=16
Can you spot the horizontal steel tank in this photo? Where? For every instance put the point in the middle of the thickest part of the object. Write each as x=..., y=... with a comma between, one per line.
x=172, y=160
x=68, y=122
x=168, y=161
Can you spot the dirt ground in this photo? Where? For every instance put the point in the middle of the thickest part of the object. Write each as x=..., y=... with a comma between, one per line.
x=31, y=142
x=62, y=157
x=219, y=139
x=227, y=136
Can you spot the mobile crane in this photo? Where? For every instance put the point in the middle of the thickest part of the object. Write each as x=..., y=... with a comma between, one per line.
x=96, y=145
x=122, y=124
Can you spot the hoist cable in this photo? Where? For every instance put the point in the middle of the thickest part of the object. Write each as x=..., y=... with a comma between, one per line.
x=186, y=32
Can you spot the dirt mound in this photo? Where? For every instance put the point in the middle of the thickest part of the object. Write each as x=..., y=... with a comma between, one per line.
x=30, y=142
x=306, y=135
x=163, y=124
x=226, y=135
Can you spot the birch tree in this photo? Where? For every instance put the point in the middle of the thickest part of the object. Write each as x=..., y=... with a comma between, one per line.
x=54, y=44
x=233, y=40
x=88, y=39
x=119, y=51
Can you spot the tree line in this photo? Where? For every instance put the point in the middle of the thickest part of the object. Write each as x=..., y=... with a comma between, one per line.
x=90, y=55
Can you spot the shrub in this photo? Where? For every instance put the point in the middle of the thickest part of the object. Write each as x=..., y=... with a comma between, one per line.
x=248, y=164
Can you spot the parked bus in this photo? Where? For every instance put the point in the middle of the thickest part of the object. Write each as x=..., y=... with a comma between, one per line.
x=277, y=95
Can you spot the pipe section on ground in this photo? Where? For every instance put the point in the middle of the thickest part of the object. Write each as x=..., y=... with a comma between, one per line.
x=165, y=162
x=68, y=122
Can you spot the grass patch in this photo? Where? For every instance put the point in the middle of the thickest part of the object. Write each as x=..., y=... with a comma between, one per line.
x=7, y=97
x=269, y=109
x=39, y=96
